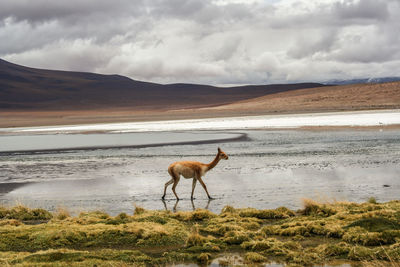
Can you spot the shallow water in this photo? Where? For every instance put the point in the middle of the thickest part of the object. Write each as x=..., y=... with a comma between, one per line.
x=272, y=169
x=235, y=259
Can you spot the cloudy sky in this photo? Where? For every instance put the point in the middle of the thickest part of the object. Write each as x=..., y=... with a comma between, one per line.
x=206, y=41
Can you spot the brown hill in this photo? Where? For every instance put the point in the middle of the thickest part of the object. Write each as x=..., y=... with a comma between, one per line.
x=30, y=97
x=320, y=99
x=23, y=88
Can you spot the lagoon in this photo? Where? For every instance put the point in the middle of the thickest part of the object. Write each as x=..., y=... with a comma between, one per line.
x=268, y=169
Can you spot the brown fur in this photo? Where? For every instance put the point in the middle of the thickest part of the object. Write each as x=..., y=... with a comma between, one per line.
x=191, y=169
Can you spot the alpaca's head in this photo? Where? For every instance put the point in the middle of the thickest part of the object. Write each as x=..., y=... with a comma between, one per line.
x=222, y=155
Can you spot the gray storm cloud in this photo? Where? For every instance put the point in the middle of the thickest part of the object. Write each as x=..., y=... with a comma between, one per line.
x=205, y=41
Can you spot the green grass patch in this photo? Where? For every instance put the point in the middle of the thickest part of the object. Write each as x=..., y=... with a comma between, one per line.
x=317, y=234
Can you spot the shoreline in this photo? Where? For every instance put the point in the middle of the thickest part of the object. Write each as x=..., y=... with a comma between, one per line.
x=27, y=118
x=369, y=119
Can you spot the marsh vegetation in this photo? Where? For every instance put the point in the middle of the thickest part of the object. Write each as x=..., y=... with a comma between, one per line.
x=368, y=233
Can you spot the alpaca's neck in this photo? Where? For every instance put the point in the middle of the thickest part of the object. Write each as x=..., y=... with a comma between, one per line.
x=213, y=163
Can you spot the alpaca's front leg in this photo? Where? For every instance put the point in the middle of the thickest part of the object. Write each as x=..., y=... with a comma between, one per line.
x=205, y=187
x=193, y=186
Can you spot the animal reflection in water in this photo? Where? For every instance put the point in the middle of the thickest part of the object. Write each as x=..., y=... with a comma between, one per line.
x=193, y=206
x=191, y=169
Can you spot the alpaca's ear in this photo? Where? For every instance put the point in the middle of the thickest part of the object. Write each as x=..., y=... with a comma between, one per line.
x=219, y=149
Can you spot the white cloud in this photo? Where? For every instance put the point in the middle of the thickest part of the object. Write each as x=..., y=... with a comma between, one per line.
x=206, y=41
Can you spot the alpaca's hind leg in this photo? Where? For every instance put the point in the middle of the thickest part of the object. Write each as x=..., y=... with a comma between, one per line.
x=166, y=185
x=176, y=181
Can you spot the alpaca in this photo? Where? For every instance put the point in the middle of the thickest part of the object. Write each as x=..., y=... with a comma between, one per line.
x=191, y=169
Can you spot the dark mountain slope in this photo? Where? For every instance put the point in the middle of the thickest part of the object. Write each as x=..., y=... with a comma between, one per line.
x=28, y=88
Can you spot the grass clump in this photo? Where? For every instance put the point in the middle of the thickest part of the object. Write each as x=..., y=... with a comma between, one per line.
x=121, y=218
x=305, y=229
x=375, y=224
x=361, y=236
x=335, y=250
x=260, y=245
x=235, y=237
x=372, y=200
x=92, y=217
x=228, y=209
x=359, y=253
x=139, y=210
x=62, y=214
x=85, y=258
x=194, y=216
x=10, y=222
x=254, y=257
x=279, y=213
x=23, y=213
x=304, y=258
x=314, y=208
x=195, y=239
x=154, y=218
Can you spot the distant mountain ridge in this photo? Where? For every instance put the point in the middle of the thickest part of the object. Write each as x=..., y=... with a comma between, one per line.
x=363, y=80
x=40, y=89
